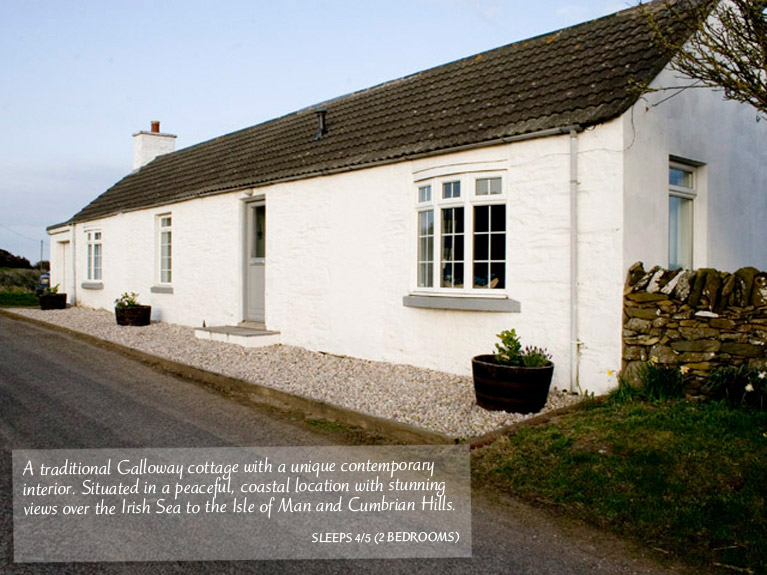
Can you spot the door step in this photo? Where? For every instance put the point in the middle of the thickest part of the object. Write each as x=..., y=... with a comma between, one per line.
x=246, y=334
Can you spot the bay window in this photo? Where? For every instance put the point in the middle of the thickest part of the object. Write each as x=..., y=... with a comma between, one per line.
x=469, y=253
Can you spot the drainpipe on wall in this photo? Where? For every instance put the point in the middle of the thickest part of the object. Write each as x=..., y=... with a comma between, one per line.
x=73, y=263
x=574, y=343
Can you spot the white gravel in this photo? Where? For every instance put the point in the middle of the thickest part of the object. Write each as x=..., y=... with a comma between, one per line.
x=429, y=399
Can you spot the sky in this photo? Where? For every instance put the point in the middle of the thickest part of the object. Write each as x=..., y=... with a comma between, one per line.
x=78, y=78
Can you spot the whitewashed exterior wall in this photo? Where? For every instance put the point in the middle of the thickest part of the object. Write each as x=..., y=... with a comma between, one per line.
x=700, y=126
x=600, y=248
x=206, y=277
x=341, y=254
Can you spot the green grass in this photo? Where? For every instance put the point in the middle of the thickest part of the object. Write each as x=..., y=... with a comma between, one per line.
x=18, y=297
x=689, y=479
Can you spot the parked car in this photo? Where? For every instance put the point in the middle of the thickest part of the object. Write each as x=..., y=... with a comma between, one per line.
x=43, y=284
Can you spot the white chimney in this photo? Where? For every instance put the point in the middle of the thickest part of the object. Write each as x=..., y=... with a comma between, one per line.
x=148, y=145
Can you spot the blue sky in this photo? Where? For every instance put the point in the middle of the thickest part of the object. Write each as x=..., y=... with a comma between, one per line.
x=79, y=78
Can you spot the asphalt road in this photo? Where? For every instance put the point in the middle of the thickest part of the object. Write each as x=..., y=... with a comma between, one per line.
x=57, y=392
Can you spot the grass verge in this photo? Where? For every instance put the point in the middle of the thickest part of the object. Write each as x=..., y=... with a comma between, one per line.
x=687, y=479
x=17, y=297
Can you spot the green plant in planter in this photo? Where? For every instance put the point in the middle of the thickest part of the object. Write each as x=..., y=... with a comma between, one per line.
x=50, y=298
x=510, y=352
x=129, y=312
x=514, y=379
x=128, y=299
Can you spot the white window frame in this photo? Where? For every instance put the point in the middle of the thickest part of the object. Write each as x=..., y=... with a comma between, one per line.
x=467, y=200
x=687, y=193
x=94, y=256
x=164, y=274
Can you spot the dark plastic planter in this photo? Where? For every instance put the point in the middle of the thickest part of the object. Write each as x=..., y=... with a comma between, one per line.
x=53, y=301
x=135, y=315
x=501, y=387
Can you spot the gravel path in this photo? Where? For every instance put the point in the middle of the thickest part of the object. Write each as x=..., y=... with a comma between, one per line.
x=425, y=398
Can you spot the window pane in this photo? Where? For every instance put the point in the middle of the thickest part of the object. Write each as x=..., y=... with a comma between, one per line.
x=679, y=233
x=425, y=275
x=458, y=271
x=680, y=177
x=481, y=275
x=481, y=218
x=447, y=222
x=487, y=186
x=426, y=223
x=497, y=275
x=424, y=194
x=458, y=216
x=424, y=253
x=451, y=190
x=497, y=247
x=481, y=247
x=259, y=235
x=498, y=218
x=447, y=248
x=458, y=249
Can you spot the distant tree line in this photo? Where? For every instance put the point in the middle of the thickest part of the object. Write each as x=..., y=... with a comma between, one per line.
x=8, y=260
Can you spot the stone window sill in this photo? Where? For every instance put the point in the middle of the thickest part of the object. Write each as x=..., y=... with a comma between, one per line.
x=161, y=289
x=497, y=305
x=92, y=285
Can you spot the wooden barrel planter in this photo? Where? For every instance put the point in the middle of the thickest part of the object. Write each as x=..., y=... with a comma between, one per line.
x=135, y=315
x=53, y=301
x=510, y=388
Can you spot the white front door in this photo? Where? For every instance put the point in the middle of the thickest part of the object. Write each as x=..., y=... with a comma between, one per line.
x=255, y=273
x=62, y=271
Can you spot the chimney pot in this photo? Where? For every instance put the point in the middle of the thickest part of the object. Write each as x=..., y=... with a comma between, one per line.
x=155, y=127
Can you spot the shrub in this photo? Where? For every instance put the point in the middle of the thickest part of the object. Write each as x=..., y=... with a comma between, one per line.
x=510, y=352
x=740, y=386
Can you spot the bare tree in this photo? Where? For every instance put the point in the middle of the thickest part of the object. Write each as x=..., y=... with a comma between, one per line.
x=723, y=44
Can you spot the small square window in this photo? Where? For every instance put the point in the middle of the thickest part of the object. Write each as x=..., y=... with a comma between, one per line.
x=424, y=194
x=451, y=190
x=680, y=177
x=489, y=186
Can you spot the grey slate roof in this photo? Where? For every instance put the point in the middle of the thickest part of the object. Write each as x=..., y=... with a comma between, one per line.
x=583, y=75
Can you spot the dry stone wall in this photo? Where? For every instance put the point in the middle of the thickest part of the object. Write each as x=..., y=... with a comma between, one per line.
x=694, y=320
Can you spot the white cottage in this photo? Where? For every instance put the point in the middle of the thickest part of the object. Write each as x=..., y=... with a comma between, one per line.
x=413, y=221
